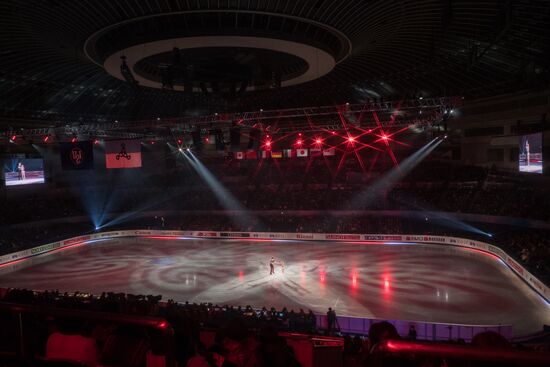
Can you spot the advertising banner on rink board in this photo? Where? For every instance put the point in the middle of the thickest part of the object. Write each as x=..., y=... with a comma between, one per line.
x=123, y=154
x=77, y=156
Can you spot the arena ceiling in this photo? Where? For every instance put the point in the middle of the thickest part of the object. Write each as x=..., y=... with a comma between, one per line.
x=62, y=60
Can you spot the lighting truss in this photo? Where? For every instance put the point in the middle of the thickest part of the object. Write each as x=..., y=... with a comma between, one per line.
x=413, y=111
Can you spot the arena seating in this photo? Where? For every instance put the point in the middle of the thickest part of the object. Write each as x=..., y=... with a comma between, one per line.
x=131, y=330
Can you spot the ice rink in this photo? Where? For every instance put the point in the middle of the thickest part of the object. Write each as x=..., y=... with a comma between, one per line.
x=392, y=281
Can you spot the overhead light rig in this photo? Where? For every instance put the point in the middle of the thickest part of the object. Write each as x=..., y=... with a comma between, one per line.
x=421, y=111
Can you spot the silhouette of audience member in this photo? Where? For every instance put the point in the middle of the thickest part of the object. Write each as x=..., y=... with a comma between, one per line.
x=70, y=343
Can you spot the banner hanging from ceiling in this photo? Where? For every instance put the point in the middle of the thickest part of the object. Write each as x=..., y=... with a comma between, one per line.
x=77, y=155
x=123, y=154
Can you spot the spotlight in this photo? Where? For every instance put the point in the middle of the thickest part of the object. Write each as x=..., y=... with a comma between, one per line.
x=96, y=141
x=96, y=228
x=451, y=112
x=179, y=141
x=74, y=139
x=385, y=137
x=13, y=138
x=490, y=234
x=46, y=139
x=188, y=149
x=299, y=142
x=180, y=149
x=268, y=143
x=318, y=141
x=351, y=139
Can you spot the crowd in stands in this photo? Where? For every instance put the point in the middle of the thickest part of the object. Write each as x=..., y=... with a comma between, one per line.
x=205, y=335
x=437, y=186
x=242, y=336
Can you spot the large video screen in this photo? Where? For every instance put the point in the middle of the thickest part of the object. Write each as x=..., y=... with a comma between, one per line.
x=530, y=153
x=23, y=171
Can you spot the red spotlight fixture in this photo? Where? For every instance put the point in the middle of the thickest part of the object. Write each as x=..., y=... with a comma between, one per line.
x=384, y=137
x=46, y=139
x=351, y=139
x=96, y=141
x=13, y=138
x=180, y=141
x=333, y=132
x=268, y=143
x=318, y=141
x=299, y=142
x=74, y=139
x=152, y=142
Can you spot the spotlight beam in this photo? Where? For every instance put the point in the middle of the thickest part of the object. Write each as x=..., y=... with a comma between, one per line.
x=390, y=179
x=226, y=199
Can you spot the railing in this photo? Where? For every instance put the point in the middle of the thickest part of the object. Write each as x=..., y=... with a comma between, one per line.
x=399, y=348
x=424, y=330
x=17, y=311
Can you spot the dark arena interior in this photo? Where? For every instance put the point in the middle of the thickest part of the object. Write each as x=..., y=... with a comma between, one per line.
x=272, y=183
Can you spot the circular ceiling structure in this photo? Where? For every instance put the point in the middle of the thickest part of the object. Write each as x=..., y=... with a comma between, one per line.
x=319, y=63
x=61, y=59
x=319, y=49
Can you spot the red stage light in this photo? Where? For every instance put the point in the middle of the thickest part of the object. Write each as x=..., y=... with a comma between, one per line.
x=318, y=141
x=299, y=134
x=13, y=137
x=333, y=132
x=74, y=140
x=46, y=138
x=152, y=143
x=385, y=137
x=268, y=143
x=96, y=141
x=299, y=142
x=351, y=139
x=179, y=141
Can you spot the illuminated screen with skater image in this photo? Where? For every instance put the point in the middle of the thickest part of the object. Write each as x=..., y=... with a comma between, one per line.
x=530, y=153
x=23, y=171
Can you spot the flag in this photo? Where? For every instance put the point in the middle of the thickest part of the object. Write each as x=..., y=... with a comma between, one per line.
x=76, y=156
x=276, y=154
x=288, y=153
x=315, y=152
x=264, y=154
x=239, y=155
x=329, y=152
x=301, y=152
x=123, y=154
x=251, y=154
